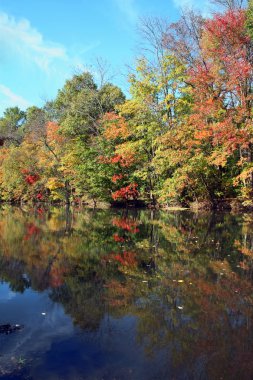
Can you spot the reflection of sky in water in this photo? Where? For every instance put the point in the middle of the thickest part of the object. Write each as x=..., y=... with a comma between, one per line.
x=5, y=293
x=39, y=330
x=55, y=349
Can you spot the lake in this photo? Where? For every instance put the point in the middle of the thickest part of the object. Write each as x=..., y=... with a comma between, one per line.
x=117, y=294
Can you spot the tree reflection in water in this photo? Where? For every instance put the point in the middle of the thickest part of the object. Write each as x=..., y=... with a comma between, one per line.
x=185, y=278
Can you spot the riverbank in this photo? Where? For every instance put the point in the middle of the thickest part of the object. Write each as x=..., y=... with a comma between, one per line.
x=227, y=205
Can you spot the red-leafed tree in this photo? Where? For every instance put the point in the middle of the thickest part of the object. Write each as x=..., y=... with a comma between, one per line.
x=222, y=90
x=119, y=157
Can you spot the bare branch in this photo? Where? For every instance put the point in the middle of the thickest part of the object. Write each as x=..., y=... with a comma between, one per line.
x=231, y=4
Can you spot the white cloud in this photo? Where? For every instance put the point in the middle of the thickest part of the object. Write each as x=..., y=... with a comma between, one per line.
x=27, y=59
x=10, y=99
x=128, y=8
x=20, y=37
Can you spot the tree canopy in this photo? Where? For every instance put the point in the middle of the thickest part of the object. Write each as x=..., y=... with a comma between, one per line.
x=184, y=134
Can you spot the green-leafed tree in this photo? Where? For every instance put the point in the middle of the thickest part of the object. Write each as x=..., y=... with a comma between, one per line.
x=11, y=125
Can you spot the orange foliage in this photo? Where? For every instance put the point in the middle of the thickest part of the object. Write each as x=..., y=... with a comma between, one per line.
x=115, y=126
x=127, y=224
x=52, y=133
x=126, y=193
x=126, y=258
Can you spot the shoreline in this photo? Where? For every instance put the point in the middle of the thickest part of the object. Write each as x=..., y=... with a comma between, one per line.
x=222, y=205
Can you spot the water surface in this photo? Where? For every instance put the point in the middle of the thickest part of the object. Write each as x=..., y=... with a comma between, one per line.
x=125, y=295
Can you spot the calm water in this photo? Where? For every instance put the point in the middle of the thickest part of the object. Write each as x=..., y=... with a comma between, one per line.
x=125, y=295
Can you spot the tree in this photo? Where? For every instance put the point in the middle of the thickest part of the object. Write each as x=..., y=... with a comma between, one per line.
x=222, y=95
x=35, y=124
x=249, y=18
x=11, y=125
x=213, y=144
x=80, y=121
x=230, y=4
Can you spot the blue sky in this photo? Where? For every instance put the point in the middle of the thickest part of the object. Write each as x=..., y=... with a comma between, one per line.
x=43, y=42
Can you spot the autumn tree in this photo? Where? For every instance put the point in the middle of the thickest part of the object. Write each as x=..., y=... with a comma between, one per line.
x=213, y=145
x=80, y=107
x=222, y=95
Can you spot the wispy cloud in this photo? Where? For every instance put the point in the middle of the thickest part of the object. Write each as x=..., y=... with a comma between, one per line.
x=9, y=99
x=26, y=54
x=20, y=37
x=128, y=8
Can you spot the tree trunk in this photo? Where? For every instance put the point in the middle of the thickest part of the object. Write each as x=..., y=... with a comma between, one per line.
x=67, y=192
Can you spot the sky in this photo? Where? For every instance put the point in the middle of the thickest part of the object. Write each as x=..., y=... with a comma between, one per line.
x=45, y=42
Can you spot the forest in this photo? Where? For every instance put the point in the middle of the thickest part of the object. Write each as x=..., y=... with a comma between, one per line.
x=184, y=135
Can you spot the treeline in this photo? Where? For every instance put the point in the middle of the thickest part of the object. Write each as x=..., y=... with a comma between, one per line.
x=186, y=133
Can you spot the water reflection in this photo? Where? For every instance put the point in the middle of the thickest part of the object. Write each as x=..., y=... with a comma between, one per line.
x=126, y=295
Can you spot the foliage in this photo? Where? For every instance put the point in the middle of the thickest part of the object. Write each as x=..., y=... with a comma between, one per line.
x=184, y=135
